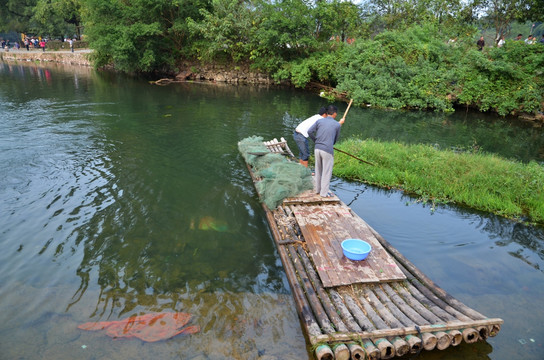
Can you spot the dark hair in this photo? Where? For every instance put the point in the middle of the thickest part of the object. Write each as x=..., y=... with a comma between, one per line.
x=322, y=110
x=331, y=109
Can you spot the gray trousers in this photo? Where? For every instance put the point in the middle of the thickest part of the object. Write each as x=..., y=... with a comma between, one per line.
x=323, y=171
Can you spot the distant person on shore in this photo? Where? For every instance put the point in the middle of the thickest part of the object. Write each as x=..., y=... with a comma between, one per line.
x=71, y=42
x=501, y=42
x=27, y=44
x=480, y=43
x=301, y=135
x=42, y=45
x=530, y=40
x=324, y=133
x=519, y=37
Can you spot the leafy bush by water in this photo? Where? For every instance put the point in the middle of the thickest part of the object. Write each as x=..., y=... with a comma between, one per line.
x=418, y=69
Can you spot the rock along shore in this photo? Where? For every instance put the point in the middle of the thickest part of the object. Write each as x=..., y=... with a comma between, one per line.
x=78, y=57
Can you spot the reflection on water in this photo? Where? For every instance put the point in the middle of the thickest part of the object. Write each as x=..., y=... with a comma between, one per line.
x=122, y=198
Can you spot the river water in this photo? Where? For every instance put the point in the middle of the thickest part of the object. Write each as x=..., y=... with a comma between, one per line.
x=118, y=197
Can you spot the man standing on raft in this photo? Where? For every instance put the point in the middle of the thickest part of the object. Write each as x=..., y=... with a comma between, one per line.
x=301, y=135
x=324, y=133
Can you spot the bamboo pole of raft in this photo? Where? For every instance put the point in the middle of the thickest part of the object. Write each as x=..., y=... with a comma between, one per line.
x=443, y=340
x=372, y=352
x=470, y=335
x=415, y=343
x=341, y=352
x=324, y=352
x=305, y=313
x=430, y=295
x=394, y=310
x=357, y=352
x=311, y=296
x=325, y=300
x=384, y=313
x=401, y=346
x=357, y=313
x=387, y=350
x=467, y=329
x=494, y=329
x=416, y=304
x=375, y=318
x=344, y=312
x=429, y=341
x=438, y=306
x=483, y=332
x=403, y=306
x=456, y=337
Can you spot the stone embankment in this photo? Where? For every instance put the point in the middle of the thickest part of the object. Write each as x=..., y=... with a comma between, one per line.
x=78, y=57
x=227, y=73
x=238, y=74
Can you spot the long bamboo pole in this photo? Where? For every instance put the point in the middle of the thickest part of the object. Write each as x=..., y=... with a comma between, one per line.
x=347, y=109
x=325, y=299
x=471, y=334
x=353, y=156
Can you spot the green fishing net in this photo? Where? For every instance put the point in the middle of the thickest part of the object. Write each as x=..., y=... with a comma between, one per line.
x=279, y=177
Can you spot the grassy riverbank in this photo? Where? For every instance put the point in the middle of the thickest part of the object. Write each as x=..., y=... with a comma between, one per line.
x=478, y=180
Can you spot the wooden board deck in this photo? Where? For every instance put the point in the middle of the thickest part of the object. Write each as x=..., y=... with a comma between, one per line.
x=324, y=228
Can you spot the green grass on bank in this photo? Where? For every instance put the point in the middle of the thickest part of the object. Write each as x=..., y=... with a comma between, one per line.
x=478, y=180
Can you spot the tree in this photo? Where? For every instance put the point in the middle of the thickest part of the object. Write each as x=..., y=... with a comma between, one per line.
x=16, y=15
x=400, y=14
x=58, y=17
x=502, y=13
x=225, y=30
x=140, y=35
x=338, y=18
x=533, y=10
x=288, y=26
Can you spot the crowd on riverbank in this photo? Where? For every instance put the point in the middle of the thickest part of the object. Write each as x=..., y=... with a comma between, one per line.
x=31, y=43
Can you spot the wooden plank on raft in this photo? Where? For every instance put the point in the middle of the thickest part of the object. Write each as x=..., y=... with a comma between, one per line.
x=310, y=197
x=324, y=227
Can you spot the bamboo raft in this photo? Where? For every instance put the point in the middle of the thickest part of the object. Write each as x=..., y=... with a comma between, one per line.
x=377, y=308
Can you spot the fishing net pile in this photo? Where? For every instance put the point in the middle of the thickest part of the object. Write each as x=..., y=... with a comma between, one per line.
x=279, y=177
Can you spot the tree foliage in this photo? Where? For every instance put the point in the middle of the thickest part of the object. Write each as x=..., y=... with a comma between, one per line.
x=416, y=69
x=398, y=69
x=387, y=53
x=58, y=18
x=140, y=35
x=16, y=15
x=225, y=31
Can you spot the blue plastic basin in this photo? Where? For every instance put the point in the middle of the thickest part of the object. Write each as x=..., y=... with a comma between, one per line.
x=356, y=249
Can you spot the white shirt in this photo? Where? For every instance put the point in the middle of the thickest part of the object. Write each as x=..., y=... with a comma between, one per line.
x=306, y=124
